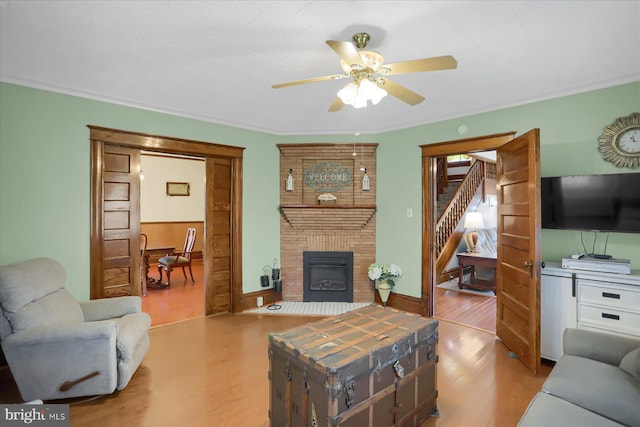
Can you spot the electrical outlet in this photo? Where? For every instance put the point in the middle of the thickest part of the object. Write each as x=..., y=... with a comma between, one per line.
x=260, y=301
x=409, y=213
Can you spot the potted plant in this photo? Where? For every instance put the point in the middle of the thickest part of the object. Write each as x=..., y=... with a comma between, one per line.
x=384, y=274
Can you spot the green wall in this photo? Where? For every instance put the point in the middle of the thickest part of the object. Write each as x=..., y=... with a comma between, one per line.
x=45, y=174
x=45, y=178
x=569, y=129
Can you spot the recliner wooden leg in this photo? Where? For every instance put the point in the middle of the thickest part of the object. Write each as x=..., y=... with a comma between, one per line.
x=191, y=273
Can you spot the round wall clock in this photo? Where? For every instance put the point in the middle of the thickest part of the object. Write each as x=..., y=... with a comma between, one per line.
x=620, y=142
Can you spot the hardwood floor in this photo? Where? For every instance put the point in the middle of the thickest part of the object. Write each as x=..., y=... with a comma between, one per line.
x=184, y=300
x=213, y=371
x=467, y=309
x=181, y=301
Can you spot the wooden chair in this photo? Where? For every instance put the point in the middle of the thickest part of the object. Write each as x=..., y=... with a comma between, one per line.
x=144, y=266
x=179, y=259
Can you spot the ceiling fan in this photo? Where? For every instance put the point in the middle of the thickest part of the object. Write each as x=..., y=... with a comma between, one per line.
x=369, y=74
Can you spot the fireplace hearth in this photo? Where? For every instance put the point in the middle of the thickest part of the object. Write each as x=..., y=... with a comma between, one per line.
x=328, y=276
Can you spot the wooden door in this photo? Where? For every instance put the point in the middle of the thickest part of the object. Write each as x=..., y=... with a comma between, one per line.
x=115, y=247
x=518, y=269
x=218, y=232
x=223, y=208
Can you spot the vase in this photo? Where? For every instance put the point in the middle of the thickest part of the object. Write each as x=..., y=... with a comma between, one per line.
x=384, y=289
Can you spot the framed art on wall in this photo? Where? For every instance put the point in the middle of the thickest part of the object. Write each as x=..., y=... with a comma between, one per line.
x=177, y=189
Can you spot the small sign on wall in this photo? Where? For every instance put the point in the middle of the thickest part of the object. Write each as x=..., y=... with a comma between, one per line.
x=178, y=189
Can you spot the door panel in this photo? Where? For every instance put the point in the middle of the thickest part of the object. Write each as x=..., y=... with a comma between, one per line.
x=518, y=269
x=115, y=248
x=218, y=231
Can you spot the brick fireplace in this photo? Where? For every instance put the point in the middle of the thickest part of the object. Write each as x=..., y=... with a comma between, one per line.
x=345, y=225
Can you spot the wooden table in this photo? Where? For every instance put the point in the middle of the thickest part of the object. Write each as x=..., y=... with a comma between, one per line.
x=159, y=251
x=476, y=259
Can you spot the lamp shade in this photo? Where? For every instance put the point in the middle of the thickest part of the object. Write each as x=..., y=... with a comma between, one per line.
x=359, y=92
x=473, y=220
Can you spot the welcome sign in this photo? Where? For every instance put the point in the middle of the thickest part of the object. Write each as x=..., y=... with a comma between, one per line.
x=328, y=177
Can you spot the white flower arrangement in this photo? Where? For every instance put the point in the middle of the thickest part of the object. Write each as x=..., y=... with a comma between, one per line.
x=384, y=272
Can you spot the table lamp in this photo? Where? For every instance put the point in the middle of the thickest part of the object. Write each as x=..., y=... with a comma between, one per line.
x=473, y=221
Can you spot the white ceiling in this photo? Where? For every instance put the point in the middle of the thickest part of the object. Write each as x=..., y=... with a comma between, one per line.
x=217, y=60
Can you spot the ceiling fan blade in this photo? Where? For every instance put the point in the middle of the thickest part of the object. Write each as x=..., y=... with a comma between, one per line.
x=311, y=80
x=347, y=52
x=336, y=105
x=401, y=92
x=419, y=65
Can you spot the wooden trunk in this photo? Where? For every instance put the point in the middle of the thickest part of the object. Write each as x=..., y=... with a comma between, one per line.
x=373, y=367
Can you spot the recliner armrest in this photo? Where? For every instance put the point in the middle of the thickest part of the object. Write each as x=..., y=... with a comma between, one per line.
x=63, y=333
x=603, y=347
x=109, y=308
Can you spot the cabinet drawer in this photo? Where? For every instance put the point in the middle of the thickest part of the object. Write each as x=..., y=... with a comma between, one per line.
x=610, y=318
x=609, y=295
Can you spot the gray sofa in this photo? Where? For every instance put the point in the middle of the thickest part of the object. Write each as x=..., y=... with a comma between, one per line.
x=57, y=347
x=595, y=383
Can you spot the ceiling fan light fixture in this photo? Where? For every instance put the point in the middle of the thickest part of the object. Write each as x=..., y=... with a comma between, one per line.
x=370, y=59
x=357, y=93
x=371, y=91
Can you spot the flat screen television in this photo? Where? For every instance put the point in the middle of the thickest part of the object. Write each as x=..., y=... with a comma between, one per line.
x=608, y=203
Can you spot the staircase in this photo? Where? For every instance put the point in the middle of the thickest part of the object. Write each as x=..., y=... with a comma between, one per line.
x=456, y=197
x=448, y=193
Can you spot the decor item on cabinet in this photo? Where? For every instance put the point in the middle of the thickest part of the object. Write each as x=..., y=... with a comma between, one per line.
x=620, y=142
x=473, y=221
x=366, y=184
x=288, y=186
x=326, y=199
x=57, y=347
x=370, y=82
x=384, y=274
x=178, y=189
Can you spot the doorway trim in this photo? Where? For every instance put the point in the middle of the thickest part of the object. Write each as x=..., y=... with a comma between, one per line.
x=430, y=152
x=101, y=136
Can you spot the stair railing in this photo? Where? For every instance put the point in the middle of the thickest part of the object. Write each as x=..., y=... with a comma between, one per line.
x=452, y=214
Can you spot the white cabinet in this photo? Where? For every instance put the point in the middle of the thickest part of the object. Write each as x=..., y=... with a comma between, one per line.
x=610, y=304
x=604, y=302
x=558, y=309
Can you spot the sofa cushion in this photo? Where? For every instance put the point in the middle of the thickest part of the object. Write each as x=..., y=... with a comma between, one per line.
x=487, y=240
x=170, y=260
x=546, y=410
x=601, y=388
x=631, y=363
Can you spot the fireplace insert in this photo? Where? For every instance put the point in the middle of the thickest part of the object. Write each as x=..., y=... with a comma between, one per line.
x=328, y=276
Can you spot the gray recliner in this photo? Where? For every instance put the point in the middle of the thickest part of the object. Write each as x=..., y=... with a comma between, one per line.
x=57, y=347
